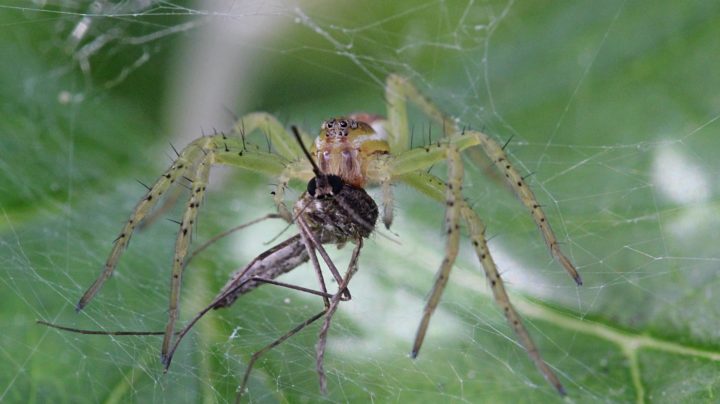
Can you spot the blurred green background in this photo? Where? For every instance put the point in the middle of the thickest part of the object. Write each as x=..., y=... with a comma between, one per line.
x=612, y=106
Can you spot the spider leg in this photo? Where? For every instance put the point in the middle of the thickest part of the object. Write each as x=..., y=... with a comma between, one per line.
x=213, y=152
x=399, y=90
x=283, y=143
x=225, y=150
x=322, y=337
x=182, y=243
x=477, y=232
x=387, y=201
x=419, y=158
x=178, y=168
x=381, y=170
x=433, y=187
x=195, y=160
x=453, y=197
x=296, y=169
x=171, y=198
x=497, y=155
x=279, y=197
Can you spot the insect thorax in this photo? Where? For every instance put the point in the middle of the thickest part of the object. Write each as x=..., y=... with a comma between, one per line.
x=349, y=214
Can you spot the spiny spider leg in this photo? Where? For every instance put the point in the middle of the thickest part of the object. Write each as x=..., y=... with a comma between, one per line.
x=452, y=229
x=477, y=232
x=399, y=90
x=218, y=149
x=176, y=171
x=434, y=187
x=182, y=243
x=416, y=159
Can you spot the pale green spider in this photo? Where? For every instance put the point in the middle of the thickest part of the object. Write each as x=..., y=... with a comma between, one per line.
x=363, y=151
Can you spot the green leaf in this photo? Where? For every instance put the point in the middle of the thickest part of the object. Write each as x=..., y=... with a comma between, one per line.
x=612, y=106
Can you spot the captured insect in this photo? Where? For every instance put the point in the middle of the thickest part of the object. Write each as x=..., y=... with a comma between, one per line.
x=350, y=154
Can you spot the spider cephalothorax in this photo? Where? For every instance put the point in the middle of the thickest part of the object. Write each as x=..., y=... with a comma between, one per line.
x=345, y=146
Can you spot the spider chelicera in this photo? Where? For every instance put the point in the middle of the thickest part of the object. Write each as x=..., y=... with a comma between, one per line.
x=352, y=153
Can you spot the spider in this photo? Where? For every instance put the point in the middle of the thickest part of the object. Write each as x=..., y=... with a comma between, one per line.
x=360, y=151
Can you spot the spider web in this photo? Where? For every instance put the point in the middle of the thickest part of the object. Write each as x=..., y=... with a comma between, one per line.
x=610, y=108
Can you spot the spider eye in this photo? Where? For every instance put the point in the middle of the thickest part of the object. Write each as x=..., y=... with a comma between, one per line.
x=329, y=124
x=336, y=183
x=312, y=187
x=343, y=124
